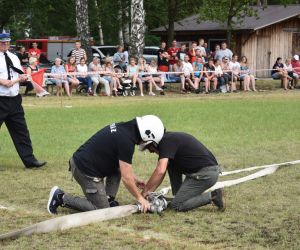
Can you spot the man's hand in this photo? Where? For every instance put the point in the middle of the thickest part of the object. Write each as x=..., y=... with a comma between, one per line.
x=23, y=78
x=145, y=205
x=7, y=83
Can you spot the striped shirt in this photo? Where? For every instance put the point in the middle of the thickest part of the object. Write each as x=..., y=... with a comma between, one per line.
x=78, y=54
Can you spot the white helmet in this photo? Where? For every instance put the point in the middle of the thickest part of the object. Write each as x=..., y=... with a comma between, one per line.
x=151, y=129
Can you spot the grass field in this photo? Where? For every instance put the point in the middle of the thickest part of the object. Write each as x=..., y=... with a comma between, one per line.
x=242, y=130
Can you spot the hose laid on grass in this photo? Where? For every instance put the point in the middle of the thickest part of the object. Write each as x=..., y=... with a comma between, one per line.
x=85, y=218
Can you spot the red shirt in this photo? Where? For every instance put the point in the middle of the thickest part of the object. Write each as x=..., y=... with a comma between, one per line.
x=173, y=52
x=192, y=57
x=34, y=53
x=296, y=66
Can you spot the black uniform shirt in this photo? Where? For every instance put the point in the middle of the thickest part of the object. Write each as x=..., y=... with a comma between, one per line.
x=100, y=155
x=185, y=152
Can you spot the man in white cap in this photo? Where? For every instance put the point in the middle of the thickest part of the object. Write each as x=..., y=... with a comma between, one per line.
x=296, y=67
x=11, y=110
x=107, y=156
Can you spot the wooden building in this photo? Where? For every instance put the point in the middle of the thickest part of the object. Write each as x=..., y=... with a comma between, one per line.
x=274, y=33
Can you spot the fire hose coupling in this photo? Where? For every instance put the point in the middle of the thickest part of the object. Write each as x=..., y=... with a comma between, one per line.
x=157, y=203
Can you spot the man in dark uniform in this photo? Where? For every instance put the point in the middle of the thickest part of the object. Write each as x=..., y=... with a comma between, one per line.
x=100, y=163
x=182, y=154
x=11, y=110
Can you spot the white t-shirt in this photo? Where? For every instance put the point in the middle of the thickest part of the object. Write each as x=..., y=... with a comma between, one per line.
x=218, y=70
x=82, y=69
x=235, y=67
x=288, y=68
x=202, y=49
x=14, y=90
x=187, y=68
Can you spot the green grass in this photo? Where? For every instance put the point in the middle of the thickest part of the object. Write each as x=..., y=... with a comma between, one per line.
x=242, y=130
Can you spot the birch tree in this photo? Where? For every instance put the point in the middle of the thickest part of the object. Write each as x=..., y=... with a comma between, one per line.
x=99, y=23
x=137, y=37
x=82, y=25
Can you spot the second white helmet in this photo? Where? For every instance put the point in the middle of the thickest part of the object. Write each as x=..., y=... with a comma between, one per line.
x=151, y=129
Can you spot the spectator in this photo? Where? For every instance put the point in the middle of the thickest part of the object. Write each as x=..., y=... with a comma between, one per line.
x=181, y=53
x=161, y=50
x=83, y=77
x=246, y=75
x=223, y=79
x=289, y=68
x=296, y=66
x=70, y=67
x=223, y=52
x=199, y=54
x=201, y=47
x=156, y=78
x=279, y=72
x=172, y=51
x=235, y=69
x=35, y=52
x=188, y=73
x=143, y=70
x=58, y=79
x=126, y=54
x=192, y=52
x=210, y=76
x=119, y=59
x=31, y=68
x=178, y=67
x=115, y=77
x=208, y=52
x=227, y=73
x=95, y=66
x=23, y=56
x=217, y=48
x=133, y=73
x=198, y=73
x=78, y=53
x=163, y=62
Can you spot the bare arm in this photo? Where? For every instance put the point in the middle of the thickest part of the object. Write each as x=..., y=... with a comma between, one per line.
x=156, y=177
x=128, y=179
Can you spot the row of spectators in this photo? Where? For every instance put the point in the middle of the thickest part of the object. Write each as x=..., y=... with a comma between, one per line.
x=219, y=70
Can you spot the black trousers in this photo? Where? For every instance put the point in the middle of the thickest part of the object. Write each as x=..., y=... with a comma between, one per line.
x=12, y=113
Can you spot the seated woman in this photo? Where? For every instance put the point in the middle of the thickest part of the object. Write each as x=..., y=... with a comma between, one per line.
x=83, y=77
x=156, y=78
x=210, y=76
x=246, y=76
x=95, y=66
x=235, y=69
x=198, y=73
x=188, y=74
x=31, y=68
x=178, y=67
x=289, y=68
x=223, y=79
x=58, y=79
x=279, y=72
x=133, y=74
x=110, y=75
x=70, y=67
x=228, y=74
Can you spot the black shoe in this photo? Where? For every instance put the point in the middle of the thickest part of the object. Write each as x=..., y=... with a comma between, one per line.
x=197, y=91
x=36, y=164
x=218, y=198
x=55, y=200
x=112, y=202
x=162, y=93
x=164, y=87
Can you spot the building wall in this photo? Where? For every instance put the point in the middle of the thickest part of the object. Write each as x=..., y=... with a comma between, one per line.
x=264, y=46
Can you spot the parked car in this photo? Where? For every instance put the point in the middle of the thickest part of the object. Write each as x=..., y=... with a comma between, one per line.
x=150, y=52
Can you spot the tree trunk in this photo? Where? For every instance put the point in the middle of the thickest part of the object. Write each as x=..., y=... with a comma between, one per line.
x=137, y=28
x=171, y=20
x=126, y=23
x=99, y=24
x=82, y=25
x=120, y=32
